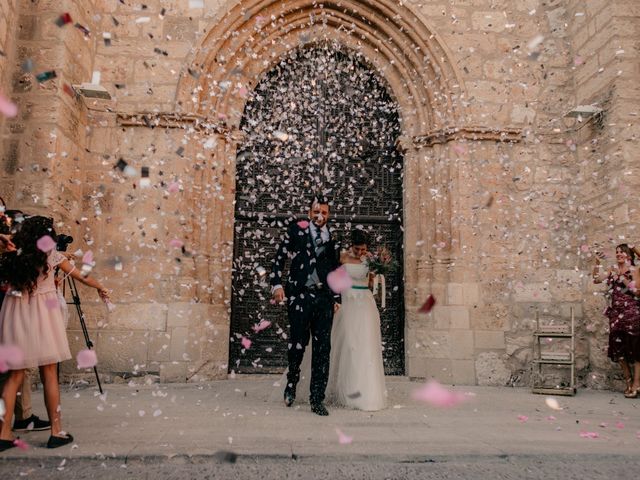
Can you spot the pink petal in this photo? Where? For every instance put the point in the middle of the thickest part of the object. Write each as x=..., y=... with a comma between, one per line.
x=246, y=343
x=10, y=356
x=523, y=418
x=21, y=444
x=87, y=358
x=620, y=425
x=175, y=243
x=339, y=280
x=428, y=305
x=584, y=248
x=46, y=244
x=261, y=326
x=303, y=224
x=342, y=438
x=173, y=187
x=589, y=435
x=88, y=257
x=436, y=395
x=7, y=107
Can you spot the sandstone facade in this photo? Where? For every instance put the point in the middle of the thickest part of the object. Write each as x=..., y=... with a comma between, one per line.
x=504, y=195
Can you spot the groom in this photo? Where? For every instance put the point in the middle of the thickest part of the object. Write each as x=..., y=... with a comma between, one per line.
x=310, y=302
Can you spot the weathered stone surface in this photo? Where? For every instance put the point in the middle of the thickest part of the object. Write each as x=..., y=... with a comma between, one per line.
x=491, y=369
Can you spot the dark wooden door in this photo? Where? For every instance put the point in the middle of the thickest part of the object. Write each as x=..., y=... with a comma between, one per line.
x=321, y=120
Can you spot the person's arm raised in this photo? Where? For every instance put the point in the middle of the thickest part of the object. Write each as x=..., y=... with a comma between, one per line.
x=67, y=267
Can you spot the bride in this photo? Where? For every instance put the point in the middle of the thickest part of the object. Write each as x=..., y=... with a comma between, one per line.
x=356, y=371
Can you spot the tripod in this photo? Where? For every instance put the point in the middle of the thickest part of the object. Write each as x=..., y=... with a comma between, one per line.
x=75, y=296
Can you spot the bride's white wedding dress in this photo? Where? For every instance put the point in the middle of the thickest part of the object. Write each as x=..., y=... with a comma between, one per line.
x=356, y=371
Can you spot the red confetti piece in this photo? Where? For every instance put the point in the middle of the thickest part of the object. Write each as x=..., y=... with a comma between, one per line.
x=428, y=305
x=63, y=19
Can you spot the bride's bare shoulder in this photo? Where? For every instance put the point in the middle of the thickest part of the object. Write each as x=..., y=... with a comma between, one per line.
x=344, y=256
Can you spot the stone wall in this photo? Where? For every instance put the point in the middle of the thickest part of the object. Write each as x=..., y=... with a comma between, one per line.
x=605, y=41
x=498, y=207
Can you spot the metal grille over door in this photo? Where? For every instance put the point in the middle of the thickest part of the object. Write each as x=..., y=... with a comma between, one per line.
x=321, y=120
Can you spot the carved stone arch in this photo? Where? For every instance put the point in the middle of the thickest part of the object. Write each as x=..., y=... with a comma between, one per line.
x=396, y=39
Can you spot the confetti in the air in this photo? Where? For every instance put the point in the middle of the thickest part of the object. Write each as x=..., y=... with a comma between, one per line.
x=87, y=358
x=428, y=305
x=339, y=280
x=438, y=396
x=46, y=243
x=63, y=20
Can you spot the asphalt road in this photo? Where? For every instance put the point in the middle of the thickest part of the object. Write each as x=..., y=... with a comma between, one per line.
x=221, y=466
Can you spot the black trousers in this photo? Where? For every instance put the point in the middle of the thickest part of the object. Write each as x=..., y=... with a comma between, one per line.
x=311, y=315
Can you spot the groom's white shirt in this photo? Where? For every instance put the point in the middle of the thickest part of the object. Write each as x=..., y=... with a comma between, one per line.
x=324, y=234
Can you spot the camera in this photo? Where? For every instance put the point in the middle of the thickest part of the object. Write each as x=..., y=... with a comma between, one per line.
x=63, y=242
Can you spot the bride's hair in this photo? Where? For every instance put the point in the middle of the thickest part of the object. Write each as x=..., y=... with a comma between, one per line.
x=359, y=237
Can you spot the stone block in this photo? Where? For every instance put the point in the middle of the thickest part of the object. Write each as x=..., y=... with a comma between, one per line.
x=455, y=294
x=183, y=314
x=179, y=341
x=459, y=318
x=463, y=372
x=488, y=21
x=491, y=369
x=439, y=369
x=138, y=316
x=470, y=293
x=159, y=347
x=435, y=344
x=461, y=344
x=173, y=372
x=489, y=340
x=122, y=351
x=532, y=292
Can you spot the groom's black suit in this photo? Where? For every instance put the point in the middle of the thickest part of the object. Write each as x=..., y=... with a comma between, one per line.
x=310, y=307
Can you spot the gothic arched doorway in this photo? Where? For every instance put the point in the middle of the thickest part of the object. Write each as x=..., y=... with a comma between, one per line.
x=322, y=119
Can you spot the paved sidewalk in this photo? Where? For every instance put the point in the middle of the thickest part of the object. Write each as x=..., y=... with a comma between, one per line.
x=245, y=416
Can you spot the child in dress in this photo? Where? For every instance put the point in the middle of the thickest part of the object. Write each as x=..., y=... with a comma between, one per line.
x=31, y=319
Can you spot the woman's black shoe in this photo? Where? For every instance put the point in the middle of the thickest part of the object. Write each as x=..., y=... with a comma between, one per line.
x=55, y=442
x=6, y=445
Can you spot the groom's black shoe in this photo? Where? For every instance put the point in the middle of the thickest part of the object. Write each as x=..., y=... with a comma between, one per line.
x=319, y=409
x=289, y=395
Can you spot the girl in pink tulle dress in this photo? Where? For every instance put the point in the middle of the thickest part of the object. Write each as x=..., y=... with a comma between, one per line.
x=31, y=319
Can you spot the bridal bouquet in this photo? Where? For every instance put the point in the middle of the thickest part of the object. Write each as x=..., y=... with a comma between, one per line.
x=381, y=262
